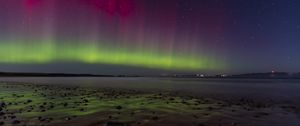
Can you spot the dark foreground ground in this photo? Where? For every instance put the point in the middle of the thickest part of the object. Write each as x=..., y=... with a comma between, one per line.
x=32, y=104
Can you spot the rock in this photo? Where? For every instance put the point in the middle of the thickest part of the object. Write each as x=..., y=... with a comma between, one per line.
x=13, y=117
x=85, y=100
x=41, y=118
x=51, y=106
x=41, y=106
x=256, y=116
x=29, y=100
x=16, y=122
x=67, y=118
x=233, y=124
x=138, y=123
x=155, y=118
x=65, y=104
x=200, y=124
x=2, y=123
x=2, y=113
x=115, y=124
x=119, y=107
x=210, y=108
x=2, y=104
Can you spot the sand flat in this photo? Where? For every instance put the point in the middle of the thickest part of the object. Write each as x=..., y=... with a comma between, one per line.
x=59, y=105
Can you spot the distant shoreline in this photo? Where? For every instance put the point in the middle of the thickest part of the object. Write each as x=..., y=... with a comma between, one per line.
x=21, y=74
x=280, y=75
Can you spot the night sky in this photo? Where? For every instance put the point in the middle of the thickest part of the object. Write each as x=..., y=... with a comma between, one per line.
x=149, y=36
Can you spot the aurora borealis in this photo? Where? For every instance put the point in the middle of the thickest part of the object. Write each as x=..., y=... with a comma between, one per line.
x=47, y=52
x=168, y=35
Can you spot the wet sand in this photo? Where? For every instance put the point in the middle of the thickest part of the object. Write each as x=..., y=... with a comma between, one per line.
x=61, y=105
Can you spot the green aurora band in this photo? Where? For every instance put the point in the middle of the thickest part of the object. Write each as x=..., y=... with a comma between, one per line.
x=43, y=52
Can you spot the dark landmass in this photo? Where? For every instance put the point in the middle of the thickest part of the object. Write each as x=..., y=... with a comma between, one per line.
x=13, y=74
x=17, y=74
x=277, y=75
x=296, y=75
x=268, y=75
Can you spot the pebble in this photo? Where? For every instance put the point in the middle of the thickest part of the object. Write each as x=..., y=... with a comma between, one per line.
x=233, y=124
x=200, y=124
x=16, y=122
x=119, y=107
x=2, y=104
x=29, y=100
x=67, y=118
x=2, y=113
x=155, y=118
x=115, y=124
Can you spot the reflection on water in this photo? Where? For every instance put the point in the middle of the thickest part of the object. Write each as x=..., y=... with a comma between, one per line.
x=275, y=89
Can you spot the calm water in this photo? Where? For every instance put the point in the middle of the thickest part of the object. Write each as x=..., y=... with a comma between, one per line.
x=260, y=88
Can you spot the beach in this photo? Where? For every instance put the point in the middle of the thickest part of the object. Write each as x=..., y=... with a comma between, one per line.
x=31, y=104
